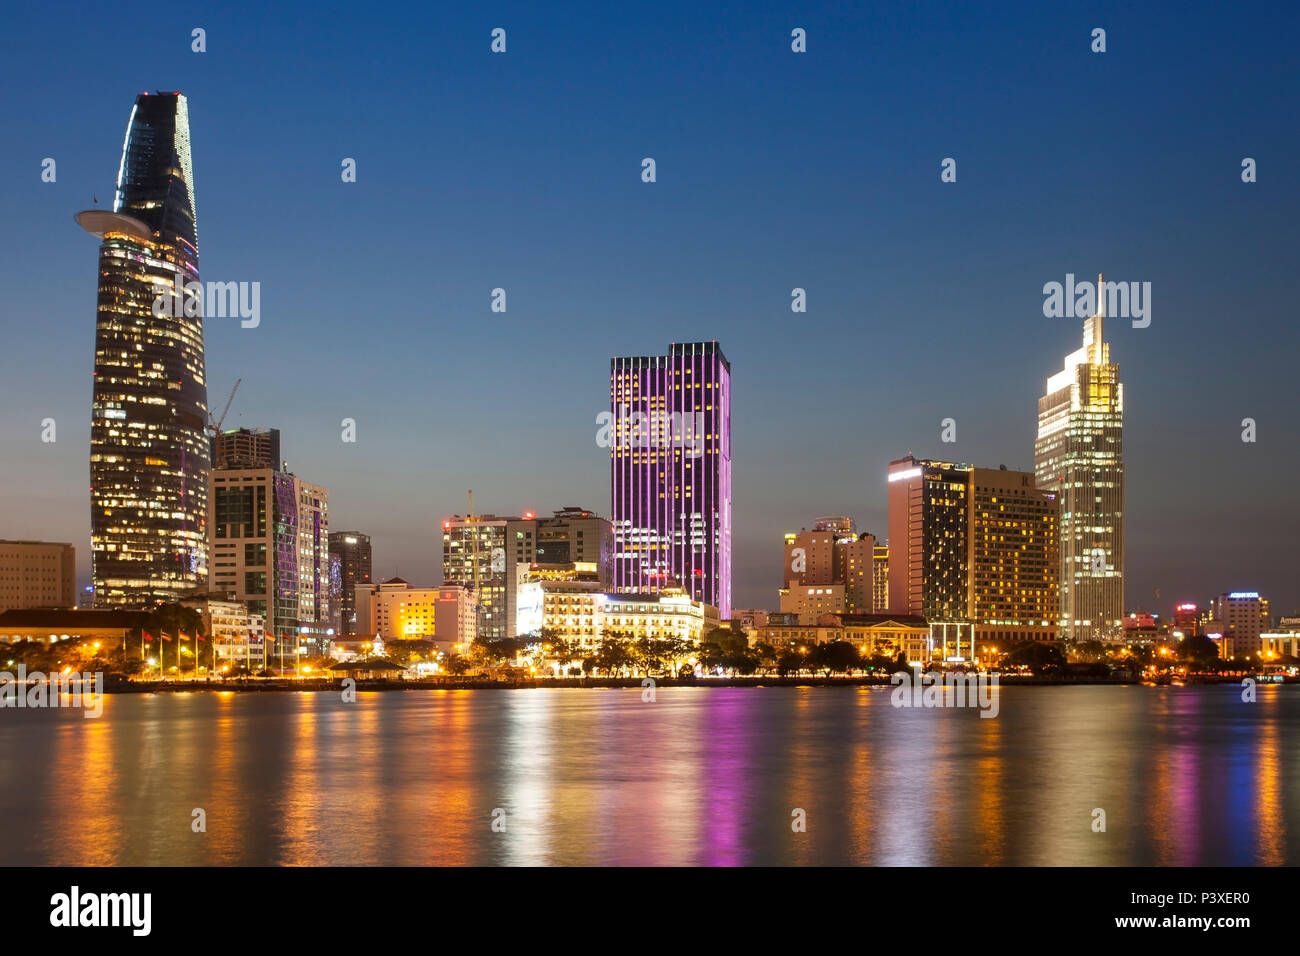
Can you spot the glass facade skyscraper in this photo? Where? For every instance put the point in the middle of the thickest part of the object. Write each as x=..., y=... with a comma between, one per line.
x=1079, y=455
x=148, y=448
x=670, y=473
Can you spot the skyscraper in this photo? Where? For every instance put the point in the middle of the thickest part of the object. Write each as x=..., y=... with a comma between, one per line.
x=929, y=548
x=148, y=448
x=670, y=473
x=1078, y=455
x=974, y=551
x=352, y=548
x=270, y=542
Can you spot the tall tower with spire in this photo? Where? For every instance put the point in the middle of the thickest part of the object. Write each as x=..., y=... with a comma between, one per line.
x=149, y=454
x=1079, y=457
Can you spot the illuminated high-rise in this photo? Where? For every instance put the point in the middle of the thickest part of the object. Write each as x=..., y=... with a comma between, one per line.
x=355, y=558
x=148, y=448
x=270, y=551
x=1014, y=558
x=929, y=557
x=670, y=473
x=1079, y=456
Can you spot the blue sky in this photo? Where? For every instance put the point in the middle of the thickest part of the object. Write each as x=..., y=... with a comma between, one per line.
x=775, y=170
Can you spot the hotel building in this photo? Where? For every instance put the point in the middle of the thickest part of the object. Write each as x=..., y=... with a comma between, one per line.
x=394, y=610
x=974, y=551
x=1014, y=558
x=238, y=637
x=572, y=605
x=455, y=622
x=929, y=550
x=670, y=473
x=1079, y=456
x=1242, y=617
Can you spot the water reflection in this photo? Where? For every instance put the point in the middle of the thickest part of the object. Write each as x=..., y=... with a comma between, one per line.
x=1186, y=776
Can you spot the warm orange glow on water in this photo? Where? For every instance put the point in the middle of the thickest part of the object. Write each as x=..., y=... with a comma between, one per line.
x=699, y=776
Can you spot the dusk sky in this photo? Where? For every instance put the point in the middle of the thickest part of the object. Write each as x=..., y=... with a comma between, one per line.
x=775, y=170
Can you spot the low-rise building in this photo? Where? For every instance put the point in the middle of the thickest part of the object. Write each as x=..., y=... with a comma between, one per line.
x=568, y=602
x=238, y=636
x=53, y=625
x=37, y=574
x=455, y=621
x=809, y=602
x=1278, y=644
x=396, y=611
x=368, y=669
x=884, y=635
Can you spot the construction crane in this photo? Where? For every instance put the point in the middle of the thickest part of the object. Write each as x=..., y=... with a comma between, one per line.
x=215, y=426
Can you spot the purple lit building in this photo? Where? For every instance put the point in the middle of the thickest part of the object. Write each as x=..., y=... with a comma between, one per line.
x=670, y=473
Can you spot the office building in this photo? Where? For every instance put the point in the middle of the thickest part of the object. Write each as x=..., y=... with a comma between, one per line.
x=670, y=473
x=37, y=574
x=270, y=550
x=1079, y=456
x=576, y=535
x=149, y=451
x=809, y=602
x=483, y=554
x=352, y=549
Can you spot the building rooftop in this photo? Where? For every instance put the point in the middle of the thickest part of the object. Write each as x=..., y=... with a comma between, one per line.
x=62, y=617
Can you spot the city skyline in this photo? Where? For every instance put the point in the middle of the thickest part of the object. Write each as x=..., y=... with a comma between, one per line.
x=870, y=371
